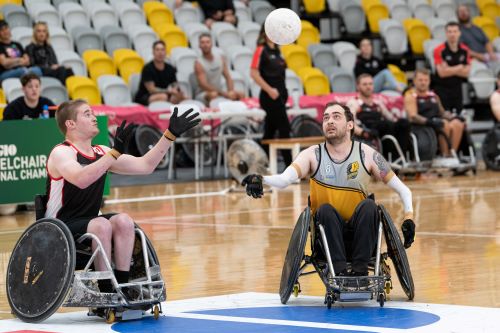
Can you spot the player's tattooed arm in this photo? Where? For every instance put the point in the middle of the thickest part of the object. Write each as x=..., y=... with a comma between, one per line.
x=384, y=169
x=316, y=153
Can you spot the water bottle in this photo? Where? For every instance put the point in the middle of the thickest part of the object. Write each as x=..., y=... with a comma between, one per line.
x=45, y=112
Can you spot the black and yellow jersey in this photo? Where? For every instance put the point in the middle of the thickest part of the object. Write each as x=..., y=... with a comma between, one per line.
x=343, y=185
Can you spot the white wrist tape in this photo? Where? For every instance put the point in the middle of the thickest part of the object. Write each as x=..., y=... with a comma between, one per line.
x=282, y=180
x=404, y=193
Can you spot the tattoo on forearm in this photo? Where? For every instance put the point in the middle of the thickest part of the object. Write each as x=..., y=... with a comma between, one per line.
x=382, y=164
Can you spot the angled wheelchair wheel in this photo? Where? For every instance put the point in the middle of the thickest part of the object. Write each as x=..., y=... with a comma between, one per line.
x=491, y=149
x=303, y=126
x=40, y=270
x=427, y=142
x=397, y=253
x=294, y=255
x=137, y=268
x=144, y=139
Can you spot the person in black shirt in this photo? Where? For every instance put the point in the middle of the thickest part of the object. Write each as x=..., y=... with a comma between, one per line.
x=42, y=54
x=367, y=63
x=158, y=79
x=77, y=171
x=30, y=105
x=216, y=11
x=452, y=60
x=268, y=70
x=13, y=61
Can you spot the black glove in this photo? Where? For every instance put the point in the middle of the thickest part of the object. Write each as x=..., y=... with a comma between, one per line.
x=253, y=185
x=436, y=123
x=122, y=137
x=408, y=228
x=180, y=124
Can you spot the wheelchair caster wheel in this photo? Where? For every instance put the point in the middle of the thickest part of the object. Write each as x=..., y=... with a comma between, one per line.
x=388, y=287
x=156, y=312
x=381, y=299
x=329, y=300
x=110, y=316
x=296, y=290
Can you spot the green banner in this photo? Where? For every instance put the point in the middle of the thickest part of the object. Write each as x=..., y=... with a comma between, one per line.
x=25, y=146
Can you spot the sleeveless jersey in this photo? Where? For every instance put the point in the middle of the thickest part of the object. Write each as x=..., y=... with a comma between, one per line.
x=369, y=115
x=213, y=71
x=342, y=185
x=67, y=201
x=427, y=105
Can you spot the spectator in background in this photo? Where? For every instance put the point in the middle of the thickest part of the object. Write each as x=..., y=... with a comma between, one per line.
x=209, y=69
x=375, y=118
x=495, y=100
x=367, y=63
x=31, y=105
x=218, y=11
x=424, y=108
x=268, y=71
x=158, y=79
x=42, y=54
x=14, y=62
x=475, y=39
x=452, y=60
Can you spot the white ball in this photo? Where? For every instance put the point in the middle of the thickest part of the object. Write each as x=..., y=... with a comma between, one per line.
x=283, y=26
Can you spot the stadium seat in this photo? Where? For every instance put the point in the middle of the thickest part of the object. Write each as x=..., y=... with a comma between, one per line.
x=488, y=26
x=241, y=59
x=293, y=83
x=54, y=90
x=23, y=35
x=374, y=11
x=322, y=55
x=12, y=89
x=260, y=9
x=143, y=38
x=98, y=63
x=3, y=103
x=315, y=82
x=115, y=38
x=488, y=8
x=60, y=39
x=73, y=15
x=482, y=79
x=128, y=62
x=29, y=4
x=56, y=3
x=157, y=14
x=429, y=46
x=183, y=59
x=308, y=35
x=11, y=2
x=496, y=44
x=437, y=26
x=249, y=31
x=421, y=10
x=129, y=13
x=314, y=6
x=239, y=82
x=114, y=90
x=83, y=87
x=187, y=14
x=394, y=36
x=243, y=13
x=334, y=5
x=296, y=57
x=184, y=84
x=193, y=31
x=417, y=33
x=345, y=53
x=226, y=35
x=73, y=60
x=134, y=81
x=399, y=10
x=254, y=89
x=399, y=75
x=85, y=38
x=173, y=36
x=353, y=16
x=102, y=15
x=16, y=16
x=342, y=80
x=445, y=9
x=45, y=12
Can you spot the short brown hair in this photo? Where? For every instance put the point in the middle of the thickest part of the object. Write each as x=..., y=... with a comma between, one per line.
x=347, y=112
x=67, y=111
x=422, y=70
x=159, y=42
x=26, y=78
x=362, y=76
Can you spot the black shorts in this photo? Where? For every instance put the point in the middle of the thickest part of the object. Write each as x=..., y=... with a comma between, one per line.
x=78, y=226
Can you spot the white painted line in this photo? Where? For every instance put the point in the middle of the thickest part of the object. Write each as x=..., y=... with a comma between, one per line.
x=167, y=197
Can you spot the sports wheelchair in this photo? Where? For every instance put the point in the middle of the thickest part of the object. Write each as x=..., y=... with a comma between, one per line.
x=48, y=267
x=345, y=288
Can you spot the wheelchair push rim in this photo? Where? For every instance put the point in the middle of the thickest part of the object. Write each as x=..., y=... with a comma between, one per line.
x=397, y=253
x=294, y=255
x=38, y=276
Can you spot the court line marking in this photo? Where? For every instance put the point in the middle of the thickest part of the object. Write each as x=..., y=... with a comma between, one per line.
x=167, y=197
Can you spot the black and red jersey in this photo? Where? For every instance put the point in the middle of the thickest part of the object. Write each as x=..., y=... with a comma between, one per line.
x=443, y=53
x=67, y=201
x=271, y=66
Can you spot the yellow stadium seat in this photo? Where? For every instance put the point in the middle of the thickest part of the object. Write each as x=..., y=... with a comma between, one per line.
x=314, y=80
x=308, y=35
x=374, y=13
x=98, y=63
x=491, y=10
x=296, y=57
x=3, y=102
x=157, y=14
x=128, y=62
x=417, y=33
x=398, y=74
x=314, y=6
x=83, y=87
x=173, y=36
x=488, y=25
x=11, y=2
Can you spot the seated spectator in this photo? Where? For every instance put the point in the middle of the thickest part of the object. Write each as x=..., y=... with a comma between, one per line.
x=13, y=61
x=42, y=54
x=209, y=69
x=367, y=63
x=374, y=116
x=424, y=108
x=452, y=60
x=218, y=11
x=475, y=39
x=158, y=79
x=495, y=100
x=31, y=105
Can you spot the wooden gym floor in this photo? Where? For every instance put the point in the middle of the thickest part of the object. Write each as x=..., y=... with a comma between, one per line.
x=212, y=243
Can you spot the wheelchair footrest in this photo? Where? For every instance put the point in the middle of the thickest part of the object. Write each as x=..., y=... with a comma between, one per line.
x=355, y=296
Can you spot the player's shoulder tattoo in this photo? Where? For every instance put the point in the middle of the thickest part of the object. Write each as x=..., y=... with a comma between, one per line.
x=382, y=164
x=317, y=153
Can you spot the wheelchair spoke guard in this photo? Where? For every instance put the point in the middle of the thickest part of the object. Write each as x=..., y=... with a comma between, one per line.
x=397, y=253
x=294, y=255
x=40, y=270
